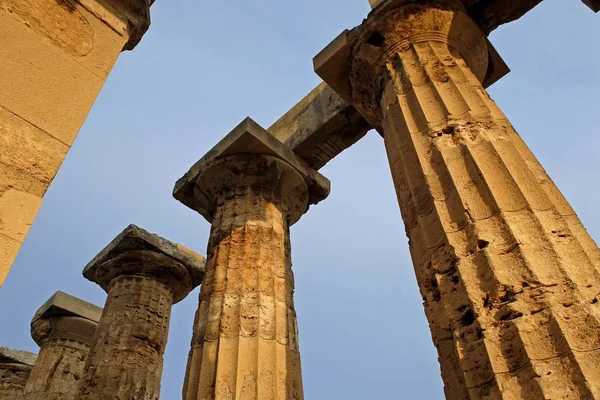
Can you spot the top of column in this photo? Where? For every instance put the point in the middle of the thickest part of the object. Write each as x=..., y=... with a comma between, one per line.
x=65, y=317
x=489, y=14
x=138, y=252
x=248, y=139
x=10, y=356
x=343, y=64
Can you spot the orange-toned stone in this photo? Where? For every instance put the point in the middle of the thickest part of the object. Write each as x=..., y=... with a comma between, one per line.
x=509, y=277
x=63, y=328
x=245, y=340
x=144, y=275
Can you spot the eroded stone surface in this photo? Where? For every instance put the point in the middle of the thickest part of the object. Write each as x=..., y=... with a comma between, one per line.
x=489, y=14
x=245, y=340
x=15, y=367
x=247, y=138
x=509, y=276
x=63, y=328
x=143, y=275
x=188, y=264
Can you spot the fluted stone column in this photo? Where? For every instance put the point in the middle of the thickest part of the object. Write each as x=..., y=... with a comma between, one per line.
x=63, y=328
x=509, y=276
x=144, y=275
x=245, y=340
x=15, y=367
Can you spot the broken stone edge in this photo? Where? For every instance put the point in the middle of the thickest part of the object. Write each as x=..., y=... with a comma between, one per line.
x=10, y=356
x=257, y=140
x=134, y=238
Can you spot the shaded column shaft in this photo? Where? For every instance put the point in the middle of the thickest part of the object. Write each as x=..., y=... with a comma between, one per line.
x=126, y=358
x=59, y=366
x=245, y=343
x=509, y=277
x=13, y=378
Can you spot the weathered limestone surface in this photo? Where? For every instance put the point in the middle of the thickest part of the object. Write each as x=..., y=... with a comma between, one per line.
x=63, y=328
x=15, y=367
x=320, y=126
x=144, y=275
x=245, y=341
x=509, y=276
x=489, y=14
x=54, y=58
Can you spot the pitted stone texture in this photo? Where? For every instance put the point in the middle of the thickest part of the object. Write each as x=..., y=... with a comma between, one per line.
x=509, y=277
x=248, y=138
x=126, y=360
x=143, y=275
x=11, y=356
x=15, y=367
x=489, y=14
x=138, y=252
x=63, y=328
x=245, y=340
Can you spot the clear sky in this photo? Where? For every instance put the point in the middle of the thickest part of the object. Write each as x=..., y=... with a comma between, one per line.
x=201, y=69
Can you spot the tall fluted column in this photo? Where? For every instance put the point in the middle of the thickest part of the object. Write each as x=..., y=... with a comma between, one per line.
x=245, y=339
x=63, y=328
x=15, y=367
x=509, y=276
x=144, y=275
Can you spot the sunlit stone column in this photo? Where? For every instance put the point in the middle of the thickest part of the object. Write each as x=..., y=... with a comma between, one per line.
x=245, y=341
x=63, y=328
x=509, y=276
x=15, y=367
x=144, y=275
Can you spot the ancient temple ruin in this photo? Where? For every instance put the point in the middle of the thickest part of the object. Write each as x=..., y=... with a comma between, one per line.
x=508, y=274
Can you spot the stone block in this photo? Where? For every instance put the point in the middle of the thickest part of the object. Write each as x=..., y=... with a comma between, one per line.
x=9, y=248
x=247, y=138
x=17, y=212
x=134, y=238
x=10, y=356
x=29, y=157
x=320, y=126
x=64, y=305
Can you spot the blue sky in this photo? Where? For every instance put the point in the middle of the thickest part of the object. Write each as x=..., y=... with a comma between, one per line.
x=201, y=69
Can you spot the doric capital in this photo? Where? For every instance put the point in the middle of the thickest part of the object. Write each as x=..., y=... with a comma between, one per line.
x=355, y=63
x=65, y=317
x=136, y=252
x=17, y=357
x=250, y=157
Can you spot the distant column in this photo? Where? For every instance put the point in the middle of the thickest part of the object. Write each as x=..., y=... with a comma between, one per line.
x=144, y=275
x=509, y=276
x=55, y=56
x=15, y=367
x=63, y=328
x=245, y=340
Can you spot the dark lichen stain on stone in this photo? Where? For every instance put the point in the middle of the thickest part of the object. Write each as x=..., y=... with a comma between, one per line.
x=67, y=5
